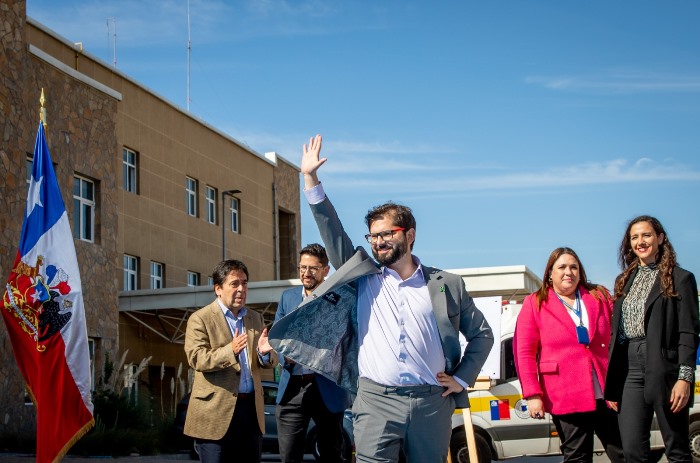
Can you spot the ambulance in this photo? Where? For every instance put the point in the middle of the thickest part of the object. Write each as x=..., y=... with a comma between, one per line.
x=502, y=425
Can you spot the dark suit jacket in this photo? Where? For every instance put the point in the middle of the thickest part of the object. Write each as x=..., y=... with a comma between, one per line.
x=671, y=327
x=335, y=397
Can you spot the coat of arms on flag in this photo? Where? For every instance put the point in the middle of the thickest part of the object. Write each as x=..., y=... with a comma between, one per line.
x=36, y=304
x=43, y=311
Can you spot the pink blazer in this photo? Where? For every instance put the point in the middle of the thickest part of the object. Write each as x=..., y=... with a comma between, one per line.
x=550, y=361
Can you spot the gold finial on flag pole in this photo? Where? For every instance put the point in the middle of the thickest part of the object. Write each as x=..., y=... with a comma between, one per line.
x=42, y=111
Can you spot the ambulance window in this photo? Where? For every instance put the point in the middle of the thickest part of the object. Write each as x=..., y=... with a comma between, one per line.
x=508, y=359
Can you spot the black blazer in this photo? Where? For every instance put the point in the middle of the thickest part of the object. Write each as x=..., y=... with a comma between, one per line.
x=671, y=327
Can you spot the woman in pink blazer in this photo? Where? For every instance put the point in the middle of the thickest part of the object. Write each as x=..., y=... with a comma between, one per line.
x=561, y=355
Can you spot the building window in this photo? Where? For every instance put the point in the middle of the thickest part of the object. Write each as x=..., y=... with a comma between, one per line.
x=131, y=268
x=156, y=275
x=210, y=281
x=192, y=279
x=191, y=188
x=129, y=167
x=211, y=205
x=83, y=209
x=234, y=216
x=30, y=167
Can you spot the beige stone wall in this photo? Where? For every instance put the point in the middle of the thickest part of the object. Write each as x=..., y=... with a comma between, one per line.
x=16, y=127
x=87, y=130
x=81, y=135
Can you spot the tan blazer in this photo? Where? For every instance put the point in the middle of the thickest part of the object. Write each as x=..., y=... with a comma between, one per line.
x=217, y=371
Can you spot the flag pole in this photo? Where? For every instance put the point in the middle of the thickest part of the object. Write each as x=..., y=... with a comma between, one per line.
x=42, y=110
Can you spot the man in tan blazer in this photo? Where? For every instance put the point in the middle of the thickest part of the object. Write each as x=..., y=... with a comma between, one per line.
x=226, y=345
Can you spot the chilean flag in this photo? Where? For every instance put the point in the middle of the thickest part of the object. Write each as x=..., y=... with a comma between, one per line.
x=44, y=314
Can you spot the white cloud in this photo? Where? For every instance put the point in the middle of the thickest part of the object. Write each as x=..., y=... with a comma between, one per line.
x=620, y=82
x=457, y=179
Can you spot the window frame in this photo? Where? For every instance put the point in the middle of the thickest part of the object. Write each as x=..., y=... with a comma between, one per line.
x=235, y=215
x=80, y=203
x=157, y=281
x=130, y=182
x=191, y=186
x=130, y=274
x=210, y=196
x=192, y=279
x=29, y=166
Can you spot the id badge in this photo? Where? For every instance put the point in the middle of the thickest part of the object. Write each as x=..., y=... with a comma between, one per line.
x=582, y=334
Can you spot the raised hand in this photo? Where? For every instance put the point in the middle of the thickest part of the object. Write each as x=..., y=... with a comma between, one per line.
x=311, y=161
x=263, y=343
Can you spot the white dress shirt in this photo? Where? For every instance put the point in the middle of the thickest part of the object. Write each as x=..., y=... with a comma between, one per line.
x=398, y=335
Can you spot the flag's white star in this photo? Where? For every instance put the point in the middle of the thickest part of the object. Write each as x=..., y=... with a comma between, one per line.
x=34, y=196
x=35, y=296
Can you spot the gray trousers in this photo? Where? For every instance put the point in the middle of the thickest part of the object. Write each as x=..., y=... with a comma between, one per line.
x=388, y=419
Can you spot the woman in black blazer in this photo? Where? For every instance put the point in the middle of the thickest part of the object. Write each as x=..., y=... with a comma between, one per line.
x=654, y=343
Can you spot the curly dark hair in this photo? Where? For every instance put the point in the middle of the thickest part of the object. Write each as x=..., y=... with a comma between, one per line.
x=629, y=262
x=599, y=292
x=401, y=215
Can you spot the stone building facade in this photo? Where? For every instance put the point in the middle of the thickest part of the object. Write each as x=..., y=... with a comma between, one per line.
x=159, y=175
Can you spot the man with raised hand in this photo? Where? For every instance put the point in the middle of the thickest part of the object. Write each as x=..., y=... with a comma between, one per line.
x=394, y=335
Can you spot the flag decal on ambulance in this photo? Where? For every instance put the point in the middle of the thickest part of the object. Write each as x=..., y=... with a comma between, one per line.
x=500, y=409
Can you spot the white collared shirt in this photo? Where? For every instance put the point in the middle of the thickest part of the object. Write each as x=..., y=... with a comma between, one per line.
x=398, y=335
x=399, y=339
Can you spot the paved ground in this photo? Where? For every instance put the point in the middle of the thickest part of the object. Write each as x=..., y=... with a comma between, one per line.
x=25, y=458
x=271, y=458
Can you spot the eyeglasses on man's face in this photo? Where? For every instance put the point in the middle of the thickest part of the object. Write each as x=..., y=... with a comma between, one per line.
x=307, y=268
x=385, y=235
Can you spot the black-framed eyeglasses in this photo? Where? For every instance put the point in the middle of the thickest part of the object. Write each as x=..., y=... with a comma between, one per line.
x=305, y=268
x=385, y=235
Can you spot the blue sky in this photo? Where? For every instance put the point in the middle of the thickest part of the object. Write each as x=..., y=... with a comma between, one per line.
x=510, y=127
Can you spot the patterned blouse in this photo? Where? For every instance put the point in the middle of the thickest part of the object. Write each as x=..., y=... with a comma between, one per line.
x=632, y=317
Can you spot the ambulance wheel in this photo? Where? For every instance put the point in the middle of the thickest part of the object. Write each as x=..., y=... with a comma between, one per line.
x=694, y=437
x=460, y=452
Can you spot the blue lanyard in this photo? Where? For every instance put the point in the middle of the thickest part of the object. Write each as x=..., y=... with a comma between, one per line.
x=577, y=310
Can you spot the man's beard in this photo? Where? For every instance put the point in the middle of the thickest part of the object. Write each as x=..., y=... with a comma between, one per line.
x=310, y=286
x=398, y=250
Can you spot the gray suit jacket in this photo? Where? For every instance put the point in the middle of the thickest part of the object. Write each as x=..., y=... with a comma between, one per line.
x=322, y=332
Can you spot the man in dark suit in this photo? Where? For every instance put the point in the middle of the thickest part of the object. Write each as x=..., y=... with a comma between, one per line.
x=303, y=395
x=226, y=346
x=388, y=329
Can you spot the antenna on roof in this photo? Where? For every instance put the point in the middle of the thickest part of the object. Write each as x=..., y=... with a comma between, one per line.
x=189, y=51
x=114, y=22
